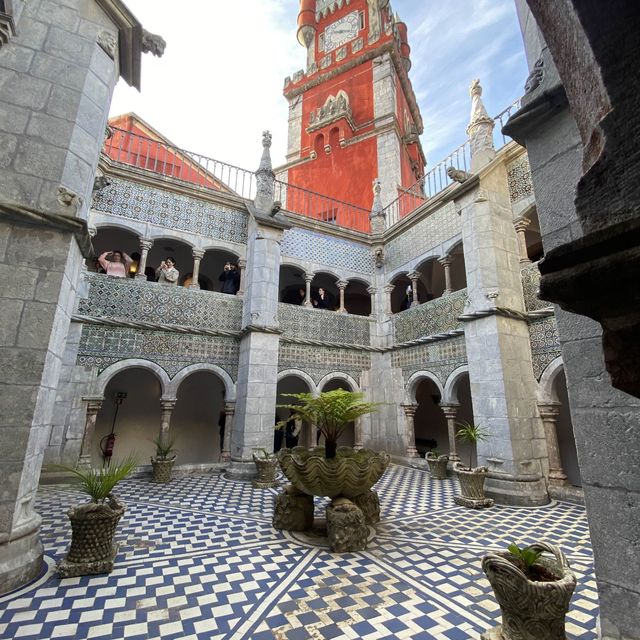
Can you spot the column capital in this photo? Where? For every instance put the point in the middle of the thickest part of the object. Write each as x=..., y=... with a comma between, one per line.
x=198, y=254
x=445, y=261
x=549, y=410
x=146, y=244
x=521, y=224
x=309, y=276
x=342, y=284
x=450, y=410
x=93, y=404
x=414, y=275
x=230, y=407
x=168, y=404
x=242, y=263
x=389, y=288
x=372, y=291
x=409, y=409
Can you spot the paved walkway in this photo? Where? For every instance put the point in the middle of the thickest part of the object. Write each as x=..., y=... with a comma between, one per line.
x=199, y=559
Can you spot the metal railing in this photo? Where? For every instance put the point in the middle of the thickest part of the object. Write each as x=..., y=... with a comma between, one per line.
x=128, y=148
x=319, y=207
x=501, y=119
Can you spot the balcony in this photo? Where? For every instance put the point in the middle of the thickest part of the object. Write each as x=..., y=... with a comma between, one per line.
x=156, y=305
x=432, y=318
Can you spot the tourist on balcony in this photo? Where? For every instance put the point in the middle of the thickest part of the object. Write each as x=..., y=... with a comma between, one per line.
x=230, y=279
x=408, y=298
x=322, y=301
x=301, y=295
x=167, y=272
x=115, y=263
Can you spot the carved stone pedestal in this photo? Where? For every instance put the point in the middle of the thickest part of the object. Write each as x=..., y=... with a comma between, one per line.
x=493, y=634
x=473, y=503
x=346, y=526
x=293, y=510
x=369, y=504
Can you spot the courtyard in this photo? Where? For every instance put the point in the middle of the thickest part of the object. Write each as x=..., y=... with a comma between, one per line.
x=198, y=558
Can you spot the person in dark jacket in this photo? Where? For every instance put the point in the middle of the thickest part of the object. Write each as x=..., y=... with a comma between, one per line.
x=322, y=300
x=230, y=279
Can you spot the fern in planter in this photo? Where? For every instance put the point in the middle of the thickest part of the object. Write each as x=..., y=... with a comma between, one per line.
x=98, y=483
x=472, y=434
x=164, y=449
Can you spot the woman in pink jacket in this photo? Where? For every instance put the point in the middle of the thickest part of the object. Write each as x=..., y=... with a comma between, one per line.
x=115, y=263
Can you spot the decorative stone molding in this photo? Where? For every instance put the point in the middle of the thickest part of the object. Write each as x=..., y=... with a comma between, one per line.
x=457, y=175
x=68, y=198
x=7, y=28
x=535, y=78
x=100, y=183
x=108, y=42
x=152, y=43
x=265, y=177
x=334, y=108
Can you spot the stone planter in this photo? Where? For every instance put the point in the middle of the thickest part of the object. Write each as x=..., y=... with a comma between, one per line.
x=350, y=474
x=92, y=529
x=267, y=469
x=161, y=473
x=437, y=465
x=472, y=487
x=530, y=610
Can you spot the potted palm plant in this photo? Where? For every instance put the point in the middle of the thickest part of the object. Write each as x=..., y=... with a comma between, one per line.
x=471, y=478
x=162, y=464
x=267, y=467
x=533, y=591
x=93, y=525
x=437, y=464
x=331, y=471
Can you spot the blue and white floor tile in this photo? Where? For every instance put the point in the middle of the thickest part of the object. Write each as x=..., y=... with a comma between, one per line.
x=199, y=559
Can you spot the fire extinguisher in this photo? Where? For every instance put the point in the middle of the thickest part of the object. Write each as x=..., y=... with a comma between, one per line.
x=108, y=442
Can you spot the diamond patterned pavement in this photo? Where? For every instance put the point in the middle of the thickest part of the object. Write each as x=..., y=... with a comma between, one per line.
x=198, y=559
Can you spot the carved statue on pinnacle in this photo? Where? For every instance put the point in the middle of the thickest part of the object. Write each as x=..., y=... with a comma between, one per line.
x=266, y=139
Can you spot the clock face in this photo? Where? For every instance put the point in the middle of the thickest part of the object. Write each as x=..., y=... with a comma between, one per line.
x=341, y=31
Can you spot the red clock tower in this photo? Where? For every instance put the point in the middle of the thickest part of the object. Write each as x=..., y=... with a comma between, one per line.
x=353, y=115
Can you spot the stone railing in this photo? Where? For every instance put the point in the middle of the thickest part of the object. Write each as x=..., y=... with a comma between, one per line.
x=530, y=287
x=141, y=301
x=326, y=327
x=431, y=318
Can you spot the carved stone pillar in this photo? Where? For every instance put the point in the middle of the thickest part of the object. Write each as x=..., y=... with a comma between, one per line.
x=308, y=278
x=357, y=434
x=145, y=245
x=414, y=276
x=446, y=263
x=166, y=407
x=521, y=225
x=198, y=254
x=93, y=408
x=372, y=291
x=388, y=290
x=242, y=266
x=342, y=285
x=549, y=413
x=450, y=412
x=229, y=412
x=410, y=414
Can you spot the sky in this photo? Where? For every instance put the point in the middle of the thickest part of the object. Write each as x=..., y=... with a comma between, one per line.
x=219, y=83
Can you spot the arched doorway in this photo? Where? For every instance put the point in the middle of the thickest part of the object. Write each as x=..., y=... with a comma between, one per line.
x=458, y=404
x=212, y=266
x=348, y=437
x=429, y=424
x=457, y=268
x=533, y=237
x=114, y=239
x=292, y=285
x=432, y=279
x=401, y=284
x=326, y=281
x=196, y=418
x=131, y=410
x=292, y=383
x=357, y=300
x=180, y=251
x=564, y=430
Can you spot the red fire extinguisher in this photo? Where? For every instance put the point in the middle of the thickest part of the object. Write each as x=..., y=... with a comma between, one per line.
x=108, y=442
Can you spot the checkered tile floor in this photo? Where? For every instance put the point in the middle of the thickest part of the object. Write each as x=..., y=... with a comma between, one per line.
x=199, y=559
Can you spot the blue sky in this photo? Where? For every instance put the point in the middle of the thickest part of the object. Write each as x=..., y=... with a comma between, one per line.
x=220, y=82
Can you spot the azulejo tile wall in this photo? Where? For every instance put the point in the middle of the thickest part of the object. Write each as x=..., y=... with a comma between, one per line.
x=441, y=358
x=545, y=343
x=172, y=210
x=440, y=226
x=519, y=177
x=320, y=361
x=430, y=318
x=530, y=287
x=126, y=299
x=102, y=346
x=329, y=326
x=328, y=250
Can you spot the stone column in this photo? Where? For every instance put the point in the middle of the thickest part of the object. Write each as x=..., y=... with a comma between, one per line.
x=388, y=290
x=357, y=434
x=145, y=245
x=450, y=412
x=242, y=266
x=198, y=254
x=166, y=409
x=410, y=414
x=414, y=276
x=93, y=408
x=549, y=413
x=372, y=291
x=446, y=263
x=229, y=412
x=342, y=285
x=520, y=226
x=308, y=279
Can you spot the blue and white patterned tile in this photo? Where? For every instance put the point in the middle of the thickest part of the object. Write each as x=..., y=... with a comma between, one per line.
x=199, y=559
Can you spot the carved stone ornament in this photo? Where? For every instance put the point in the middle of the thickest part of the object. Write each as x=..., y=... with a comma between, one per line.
x=100, y=183
x=152, y=43
x=7, y=28
x=378, y=257
x=334, y=108
x=68, y=198
x=457, y=175
x=108, y=42
x=536, y=76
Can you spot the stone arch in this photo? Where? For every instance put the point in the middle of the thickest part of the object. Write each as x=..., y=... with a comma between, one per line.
x=298, y=373
x=138, y=228
x=337, y=375
x=546, y=392
x=415, y=379
x=133, y=363
x=450, y=394
x=229, y=386
x=163, y=235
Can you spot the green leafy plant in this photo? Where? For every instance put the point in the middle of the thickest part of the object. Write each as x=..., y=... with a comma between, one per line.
x=98, y=483
x=472, y=434
x=527, y=556
x=263, y=453
x=164, y=448
x=331, y=412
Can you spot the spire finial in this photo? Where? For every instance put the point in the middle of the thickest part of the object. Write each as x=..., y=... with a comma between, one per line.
x=265, y=178
x=480, y=129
